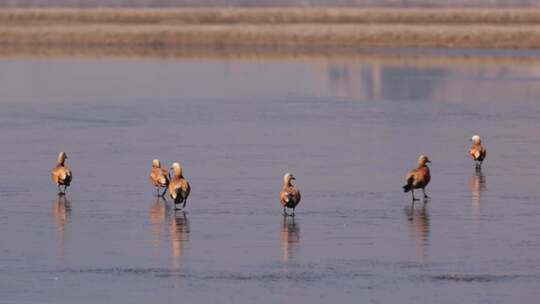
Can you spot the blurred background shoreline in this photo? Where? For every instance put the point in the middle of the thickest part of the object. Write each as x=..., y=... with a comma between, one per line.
x=271, y=3
x=268, y=29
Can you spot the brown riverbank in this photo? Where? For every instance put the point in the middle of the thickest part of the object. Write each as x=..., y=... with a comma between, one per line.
x=448, y=28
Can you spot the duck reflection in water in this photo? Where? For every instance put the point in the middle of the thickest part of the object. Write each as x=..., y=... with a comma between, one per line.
x=478, y=185
x=290, y=237
x=418, y=222
x=61, y=212
x=178, y=233
x=158, y=211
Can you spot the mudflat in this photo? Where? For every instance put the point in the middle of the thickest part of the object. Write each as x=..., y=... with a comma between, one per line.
x=348, y=128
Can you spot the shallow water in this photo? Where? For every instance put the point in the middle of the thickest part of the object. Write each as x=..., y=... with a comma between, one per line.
x=349, y=129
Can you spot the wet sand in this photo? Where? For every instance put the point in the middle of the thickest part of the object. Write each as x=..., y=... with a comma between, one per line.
x=349, y=129
x=277, y=27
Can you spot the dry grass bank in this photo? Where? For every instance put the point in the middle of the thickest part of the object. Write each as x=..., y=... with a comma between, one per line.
x=215, y=28
x=204, y=16
x=378, y=35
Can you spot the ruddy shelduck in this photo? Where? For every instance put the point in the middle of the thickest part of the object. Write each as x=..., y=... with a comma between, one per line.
x=477, y=151
x=159, y=177
x=418, y=178
x=289, y=195
x=61, y=174
x=179, y=187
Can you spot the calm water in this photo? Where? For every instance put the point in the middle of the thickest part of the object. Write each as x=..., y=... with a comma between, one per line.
x=349, y=129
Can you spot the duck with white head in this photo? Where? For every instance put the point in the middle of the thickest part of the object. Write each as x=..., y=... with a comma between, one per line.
x=61, y=173
x=179, y=188
x=289, y=196
x=477, y=151
x=159, y=177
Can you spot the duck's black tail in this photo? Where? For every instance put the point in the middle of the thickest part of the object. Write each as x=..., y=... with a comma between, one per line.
x=409, y=185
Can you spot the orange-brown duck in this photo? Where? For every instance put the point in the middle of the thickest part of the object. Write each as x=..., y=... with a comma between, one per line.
x=61, y=174
x=179, y=188
x=418, y=178
x=289, y=195
x=159, y=177
x=477, y=151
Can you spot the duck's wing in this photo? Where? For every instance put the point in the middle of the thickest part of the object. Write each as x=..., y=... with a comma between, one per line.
x=424, y=176
x=179, y=188
x=186, y=188
x=55, y=174
x=483, y=153
x=412, y=175
x=284, y=197
x=410, y=179
x=68, y=176
x=472, y=152
x=172, y=188
x=158, y=177
x=289, y=195
x=61, y=175
x=295, y=194
x=477, y=152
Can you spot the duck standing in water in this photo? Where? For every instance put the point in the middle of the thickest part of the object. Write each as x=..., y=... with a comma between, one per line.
x=159, y=177
x=61, y=174
x=477, y=151
x=418, y=178
x=289, y=195
x=179, y=188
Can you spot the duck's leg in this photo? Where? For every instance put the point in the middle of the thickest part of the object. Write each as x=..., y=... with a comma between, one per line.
x=285, y=211
x=478, y=164
x=60, y=190
x=425, y=195
x=177, y=202
x=184, y=205
x=413, y=198
x=292, y=215
x=164, y=191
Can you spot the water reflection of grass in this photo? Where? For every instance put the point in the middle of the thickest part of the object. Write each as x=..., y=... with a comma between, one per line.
x=386, y=57
x=450, y=28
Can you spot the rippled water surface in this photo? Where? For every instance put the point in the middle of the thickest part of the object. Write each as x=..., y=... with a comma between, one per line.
x=348, y=128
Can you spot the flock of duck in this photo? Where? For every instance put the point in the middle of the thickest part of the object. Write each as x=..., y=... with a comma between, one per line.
x=179, y=189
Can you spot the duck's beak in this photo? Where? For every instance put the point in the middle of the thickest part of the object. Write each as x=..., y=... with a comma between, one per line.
x=428, y=161
x=292, y=177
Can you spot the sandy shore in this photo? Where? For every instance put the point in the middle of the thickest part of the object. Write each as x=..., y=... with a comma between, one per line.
x=215, y=28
